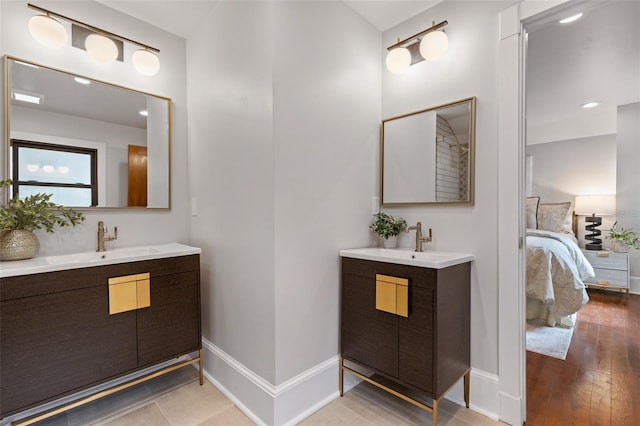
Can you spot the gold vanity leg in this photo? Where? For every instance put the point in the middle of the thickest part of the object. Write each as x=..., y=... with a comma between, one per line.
x=200, y=368
x=434, y=413
x=467, y=379
x=341, y=377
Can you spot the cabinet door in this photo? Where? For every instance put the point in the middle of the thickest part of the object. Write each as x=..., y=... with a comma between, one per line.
x=59, y=343
x=368, y=336
x=415, y=335
x=171, y=325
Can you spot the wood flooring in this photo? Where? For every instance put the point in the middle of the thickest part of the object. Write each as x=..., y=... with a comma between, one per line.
x=599, y=382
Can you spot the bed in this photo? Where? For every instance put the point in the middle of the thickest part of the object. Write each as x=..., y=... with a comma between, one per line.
x=556, y=267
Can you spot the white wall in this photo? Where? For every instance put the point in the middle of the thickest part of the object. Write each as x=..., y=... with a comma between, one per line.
x=283, y=138
x=467, y=69
x=135, y=227
x=566, y=168
x=628, y=187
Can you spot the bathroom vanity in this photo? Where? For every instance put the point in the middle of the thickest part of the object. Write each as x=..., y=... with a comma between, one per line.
x=405, y=322
x=69, y=325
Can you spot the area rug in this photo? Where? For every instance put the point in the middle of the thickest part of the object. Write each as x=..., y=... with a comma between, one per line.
x=550, y=341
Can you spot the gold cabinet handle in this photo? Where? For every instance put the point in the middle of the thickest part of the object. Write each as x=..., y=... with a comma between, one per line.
x=128, y=293
x=392, y=295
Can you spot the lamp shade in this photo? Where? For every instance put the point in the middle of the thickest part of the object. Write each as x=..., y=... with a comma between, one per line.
x=398, y=60
x=600, y=205
x=145, y=62
x=47, y=31
x=434, y=45
x=101, y=48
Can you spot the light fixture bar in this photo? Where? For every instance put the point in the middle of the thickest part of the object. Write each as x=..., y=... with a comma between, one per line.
x=421, y=33
x=91, y=27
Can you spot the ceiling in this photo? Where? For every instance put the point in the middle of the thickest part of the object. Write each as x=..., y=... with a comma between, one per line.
x=596, y=58
x=383, y=14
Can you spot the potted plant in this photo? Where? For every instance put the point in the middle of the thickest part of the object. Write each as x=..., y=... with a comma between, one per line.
x=388, y=228
x=623, y=239
x=20, y=217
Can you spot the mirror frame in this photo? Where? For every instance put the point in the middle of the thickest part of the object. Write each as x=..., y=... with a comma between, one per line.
x=7, y=132
x=472, y=142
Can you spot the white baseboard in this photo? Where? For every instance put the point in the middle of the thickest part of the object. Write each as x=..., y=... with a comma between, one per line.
x=294, y=400
x=264, y=403
x=634, y=285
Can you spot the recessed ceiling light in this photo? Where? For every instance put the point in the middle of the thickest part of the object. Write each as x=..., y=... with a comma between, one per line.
x=144, y=112
x=590, y=104
x=82, y=80
x=571, y=19
x=32, y=98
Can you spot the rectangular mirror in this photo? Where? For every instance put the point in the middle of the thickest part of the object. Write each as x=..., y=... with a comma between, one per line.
x=89, y=143
x=427, y=156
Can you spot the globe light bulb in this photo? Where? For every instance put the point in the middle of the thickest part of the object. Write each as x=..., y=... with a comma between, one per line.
x=434, y=45
x=398, y=60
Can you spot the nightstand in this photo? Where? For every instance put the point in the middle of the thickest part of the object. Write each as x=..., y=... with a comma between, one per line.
x=611, y=268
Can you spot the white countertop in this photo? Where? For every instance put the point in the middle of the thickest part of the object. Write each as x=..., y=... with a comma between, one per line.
x=61, y=262
x=404, y=256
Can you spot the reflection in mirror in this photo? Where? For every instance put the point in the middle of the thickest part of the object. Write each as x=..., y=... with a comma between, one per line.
x=89, y=143
x=427, y=156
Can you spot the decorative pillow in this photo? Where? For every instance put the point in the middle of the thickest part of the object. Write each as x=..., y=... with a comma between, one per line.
x=551, y=217
x=532, y=212
x=567, y=225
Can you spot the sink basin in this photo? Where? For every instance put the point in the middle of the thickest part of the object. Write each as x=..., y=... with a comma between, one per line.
x=88, y=259
x=122, y=253
x=427, y=259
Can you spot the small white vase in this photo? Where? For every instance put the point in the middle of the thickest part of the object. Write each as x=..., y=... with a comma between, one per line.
x=619, y=246
x=391, y=242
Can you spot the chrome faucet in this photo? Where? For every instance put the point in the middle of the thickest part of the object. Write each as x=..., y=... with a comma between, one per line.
x=102, y=230
x=419, y=238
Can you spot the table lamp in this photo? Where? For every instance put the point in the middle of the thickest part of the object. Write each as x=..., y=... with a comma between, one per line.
x=593, y=207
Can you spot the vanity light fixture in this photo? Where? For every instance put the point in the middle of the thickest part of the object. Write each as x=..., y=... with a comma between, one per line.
x=101, y=48
x=429, y=44
x=48, y=31
x=571, y=19
x=100, y=44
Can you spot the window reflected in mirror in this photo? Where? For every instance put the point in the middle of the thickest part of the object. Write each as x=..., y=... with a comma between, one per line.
x=66, y=172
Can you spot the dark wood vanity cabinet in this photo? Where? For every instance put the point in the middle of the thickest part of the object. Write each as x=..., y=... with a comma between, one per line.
x=57, y=336
x=428, y=350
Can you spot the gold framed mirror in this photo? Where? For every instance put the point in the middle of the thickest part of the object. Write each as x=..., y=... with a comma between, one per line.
x=427, y=156
x=90, y=143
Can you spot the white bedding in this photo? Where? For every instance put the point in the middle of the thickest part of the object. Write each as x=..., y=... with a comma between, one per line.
x=556, y=269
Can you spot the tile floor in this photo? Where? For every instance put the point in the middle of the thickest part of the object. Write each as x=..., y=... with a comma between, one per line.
x=176, y=399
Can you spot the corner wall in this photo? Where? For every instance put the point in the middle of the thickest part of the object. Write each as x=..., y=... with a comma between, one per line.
x=283, y=136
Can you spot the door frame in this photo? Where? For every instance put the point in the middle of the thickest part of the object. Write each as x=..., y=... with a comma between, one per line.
x=511, y=198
